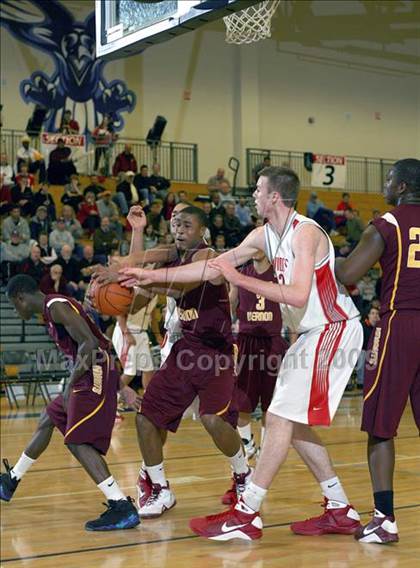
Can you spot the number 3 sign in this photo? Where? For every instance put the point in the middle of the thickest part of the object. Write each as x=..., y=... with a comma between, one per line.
x=328, y=171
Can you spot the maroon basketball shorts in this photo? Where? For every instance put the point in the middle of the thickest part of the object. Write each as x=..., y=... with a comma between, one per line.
x=190, y=371
x=91, y=409
x=392, y=373
x=258, y=364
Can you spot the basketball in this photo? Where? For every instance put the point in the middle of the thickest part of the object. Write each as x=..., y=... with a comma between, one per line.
x=112, y=299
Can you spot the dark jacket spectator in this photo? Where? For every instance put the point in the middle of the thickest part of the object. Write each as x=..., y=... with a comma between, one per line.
x=33, y=266
x=70, y=266
x=128, y=189
x=86, y=266
x=168, y=205
x=159, y=185
x=105, y=240
x=217, y=226
x=233, y=228
x=125, y=162
x=48, y=254
x=44, y=197
x=72, y=195
x=143, y=183
x=94, y=186
x=60, y=166
x=40, y=223
x=54, y=282
x=23, y=196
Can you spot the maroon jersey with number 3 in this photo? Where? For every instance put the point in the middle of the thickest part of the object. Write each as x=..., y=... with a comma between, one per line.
x=400, y=261
x=256, y=314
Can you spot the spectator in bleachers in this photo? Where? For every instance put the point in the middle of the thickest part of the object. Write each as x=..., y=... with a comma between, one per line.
x=13, y=251
x=375, y=214
x=72, y=194
x=60, y=165
x=150, y=237
x=216, y=227
x=266, y=163
x=368, y=325
x=44, y=197
x=125, y=162
x=183, y=197
x=354, y=227
x=48, y=254
x=342, y=206
x=24, y=173
x=155, y=217
x=54, y=282
x=159, y=185
x=233, y=229
x=243, y=212
x=216, y=204
x=207, y=209
x=23, y=196
x=367, y=291
x=71, y=268
x=88, y=214
x=5, y=198
x=87, y=266
x=6, y=170
x=127, y=194
x=68, y=124
x=317, y=211
x=32, y=158
x=142, y=183
x=225, y=192
x=168, y=205
x=40, y=223
x=94, y=186
x=103, y=138
x=14, y=222
x=215, y=181
x=339, y=240
x=33, y=266
x=107, y=208
x=220, y=243
x=60, y=236
x=71, y=222
x=105, y=240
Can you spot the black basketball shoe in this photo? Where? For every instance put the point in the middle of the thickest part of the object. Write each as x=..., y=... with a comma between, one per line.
x=8, y=484
x=120, y=514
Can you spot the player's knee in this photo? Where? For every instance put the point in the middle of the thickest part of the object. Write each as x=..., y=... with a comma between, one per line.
x=144, y=426
x=45, y=421
x=74, y=449
x=211, y=422
x=373, y=440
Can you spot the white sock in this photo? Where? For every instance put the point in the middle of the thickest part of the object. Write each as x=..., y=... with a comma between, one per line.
x=262, y=435
x=111, y=490
x=239, y=462
x=143, y=469
x=253, y=496
x=157, y=474
x=333, y=490
x=245, y=432
x=21, y=466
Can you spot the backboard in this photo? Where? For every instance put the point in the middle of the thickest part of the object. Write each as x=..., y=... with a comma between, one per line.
x=125, y=27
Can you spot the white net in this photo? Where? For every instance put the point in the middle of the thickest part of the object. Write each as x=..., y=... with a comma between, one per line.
x=251, y=24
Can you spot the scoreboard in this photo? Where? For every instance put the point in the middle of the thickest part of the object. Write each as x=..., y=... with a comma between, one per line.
x=328, y=171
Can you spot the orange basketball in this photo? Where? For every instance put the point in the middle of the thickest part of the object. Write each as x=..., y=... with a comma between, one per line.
x=112, y=299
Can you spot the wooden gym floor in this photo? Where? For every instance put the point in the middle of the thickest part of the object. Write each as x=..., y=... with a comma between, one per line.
x=43, y=525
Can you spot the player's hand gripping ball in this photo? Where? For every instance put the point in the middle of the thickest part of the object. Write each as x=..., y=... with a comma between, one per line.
x=111, y=299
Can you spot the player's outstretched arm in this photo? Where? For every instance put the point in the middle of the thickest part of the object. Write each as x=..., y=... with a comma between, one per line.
x=367, y=253
x=199, y=271
x=297, y=292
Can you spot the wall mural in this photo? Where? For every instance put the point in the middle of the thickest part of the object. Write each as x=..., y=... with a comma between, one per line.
x=77, y=82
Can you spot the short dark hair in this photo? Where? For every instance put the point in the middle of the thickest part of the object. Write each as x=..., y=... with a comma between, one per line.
x=197, y=213
x=267, y=158
x=21, y=284
x=144, y=166
x=345, y=194
x=283, y=180
x=408, y=171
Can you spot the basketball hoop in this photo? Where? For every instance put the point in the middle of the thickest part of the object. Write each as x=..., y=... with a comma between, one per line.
x=251, y=24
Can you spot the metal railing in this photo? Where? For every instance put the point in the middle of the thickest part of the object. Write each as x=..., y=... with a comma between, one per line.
x=363, y=175
x=178, y=160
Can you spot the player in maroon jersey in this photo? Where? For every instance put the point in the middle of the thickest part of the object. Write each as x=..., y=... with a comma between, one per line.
x=200, y=363
x=392, y=372
x=260, y=351
x=85, y=412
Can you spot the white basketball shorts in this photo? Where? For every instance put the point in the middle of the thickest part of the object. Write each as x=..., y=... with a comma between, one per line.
x=315, y=372
x=139, y=357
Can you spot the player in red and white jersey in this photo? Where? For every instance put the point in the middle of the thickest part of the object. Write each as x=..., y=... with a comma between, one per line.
x=316, y=368
x=392, y=373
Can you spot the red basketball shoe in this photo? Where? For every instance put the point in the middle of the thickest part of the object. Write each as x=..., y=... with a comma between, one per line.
x=337, y=518
x=237, y=522
x=144, y=488
x=239, y=483
x=382, y=529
